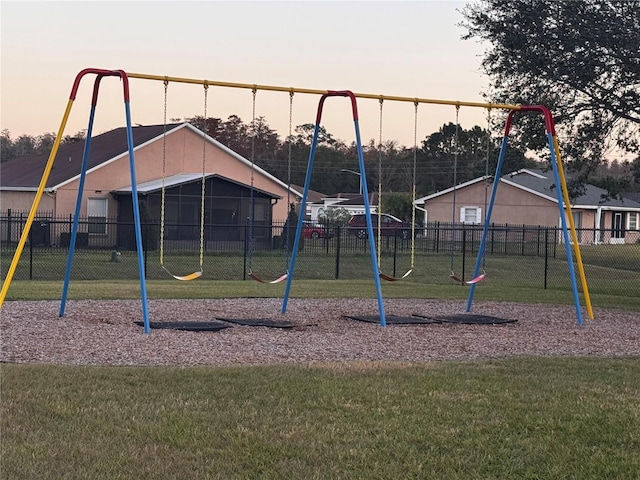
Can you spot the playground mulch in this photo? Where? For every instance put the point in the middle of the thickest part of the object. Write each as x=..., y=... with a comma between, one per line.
x=311, y=331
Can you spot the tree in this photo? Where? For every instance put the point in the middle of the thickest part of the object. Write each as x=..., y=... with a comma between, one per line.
x=44, y=142
x=264, y=140
x=25, y=145
x=438, y=165
x=234, y=134
x=77, y=137
x=289, y=228
x=305, y=132
x=7, y=148
x=334, y=216
x=579, y=58
x=635, y=171
x=397, y=204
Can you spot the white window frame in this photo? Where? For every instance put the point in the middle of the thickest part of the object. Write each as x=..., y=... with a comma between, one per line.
x=97, y=208
x=635, y=225
x=477, y=215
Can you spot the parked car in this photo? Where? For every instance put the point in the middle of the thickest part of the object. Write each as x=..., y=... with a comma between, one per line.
x=389, y=226
x=312, y=230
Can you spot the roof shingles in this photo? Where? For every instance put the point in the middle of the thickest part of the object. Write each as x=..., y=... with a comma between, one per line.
x=26, y=172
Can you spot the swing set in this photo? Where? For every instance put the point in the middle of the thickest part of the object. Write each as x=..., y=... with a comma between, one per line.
x=478, y=275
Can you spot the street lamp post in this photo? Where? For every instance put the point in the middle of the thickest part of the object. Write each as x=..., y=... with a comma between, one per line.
x=355, y=173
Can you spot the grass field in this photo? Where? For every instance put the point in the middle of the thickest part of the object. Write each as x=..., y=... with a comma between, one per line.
x=509, y=419
x=488, y=290
x=610, y=269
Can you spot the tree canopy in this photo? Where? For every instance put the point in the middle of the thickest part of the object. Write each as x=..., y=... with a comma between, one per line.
x=580, y=58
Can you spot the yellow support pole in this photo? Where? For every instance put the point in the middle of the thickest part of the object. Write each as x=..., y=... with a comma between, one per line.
x=249, y=86
x=34, y=206
x=574, y=236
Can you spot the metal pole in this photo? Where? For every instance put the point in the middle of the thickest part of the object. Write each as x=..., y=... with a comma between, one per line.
x=290, y=90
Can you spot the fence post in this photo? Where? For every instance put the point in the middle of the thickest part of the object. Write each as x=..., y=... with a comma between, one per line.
x=546, y=256
x=522, y=247
x=464, y=248
x=31, y=254
x=244, y=259
x=493, y=236
x=9, y=226
x=338, y=237
x=538, y=239
x=395, y=253
x=144, y=251
x=506, y=239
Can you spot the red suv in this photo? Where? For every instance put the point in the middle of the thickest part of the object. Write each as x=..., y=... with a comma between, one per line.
x=311, y=230
x=389, y=226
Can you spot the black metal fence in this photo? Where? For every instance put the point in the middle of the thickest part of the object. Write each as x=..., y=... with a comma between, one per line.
x=530, y=256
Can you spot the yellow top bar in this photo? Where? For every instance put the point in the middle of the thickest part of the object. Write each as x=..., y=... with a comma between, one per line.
x=415, y=100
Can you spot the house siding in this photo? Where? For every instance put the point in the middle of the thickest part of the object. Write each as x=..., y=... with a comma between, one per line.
x=515, y=205
x=22, y=201
x=511, y=206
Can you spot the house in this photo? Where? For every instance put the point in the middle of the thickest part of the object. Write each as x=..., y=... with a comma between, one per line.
x=178, y=160
x=529, y=197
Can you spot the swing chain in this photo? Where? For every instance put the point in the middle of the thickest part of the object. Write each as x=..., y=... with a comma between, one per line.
x=164, y=163
x=413, y=186
x=204, y=175
x=379, y=209
x=287, y=235
x=254, y=90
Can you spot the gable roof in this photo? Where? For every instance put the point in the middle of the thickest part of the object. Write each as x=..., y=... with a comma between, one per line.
x=450, y=189
x=153, y=186
x=542, y=184
x=312, y=195
x=354, y=199
x=635, y=196
x=25, y=173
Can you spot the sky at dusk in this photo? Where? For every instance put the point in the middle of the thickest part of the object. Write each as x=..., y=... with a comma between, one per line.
x=411, y=49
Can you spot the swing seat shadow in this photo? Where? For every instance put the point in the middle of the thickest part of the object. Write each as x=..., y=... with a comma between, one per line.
x=258, y=322
x=420, y=319
x=189, y=326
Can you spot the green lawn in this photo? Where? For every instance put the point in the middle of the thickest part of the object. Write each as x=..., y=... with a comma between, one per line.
x=622, y=294
x=610, y=269
x=526, y=418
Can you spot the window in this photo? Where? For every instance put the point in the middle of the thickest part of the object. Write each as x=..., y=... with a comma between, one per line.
x=97, y=216
x=577, y=219
x=632, y=221
x=577, y=223
x=470, y=215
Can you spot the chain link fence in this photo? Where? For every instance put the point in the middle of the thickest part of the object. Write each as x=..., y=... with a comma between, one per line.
x=515, y=255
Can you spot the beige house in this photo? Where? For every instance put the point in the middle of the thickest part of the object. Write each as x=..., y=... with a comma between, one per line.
x=528, y=197
x=231, y=181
